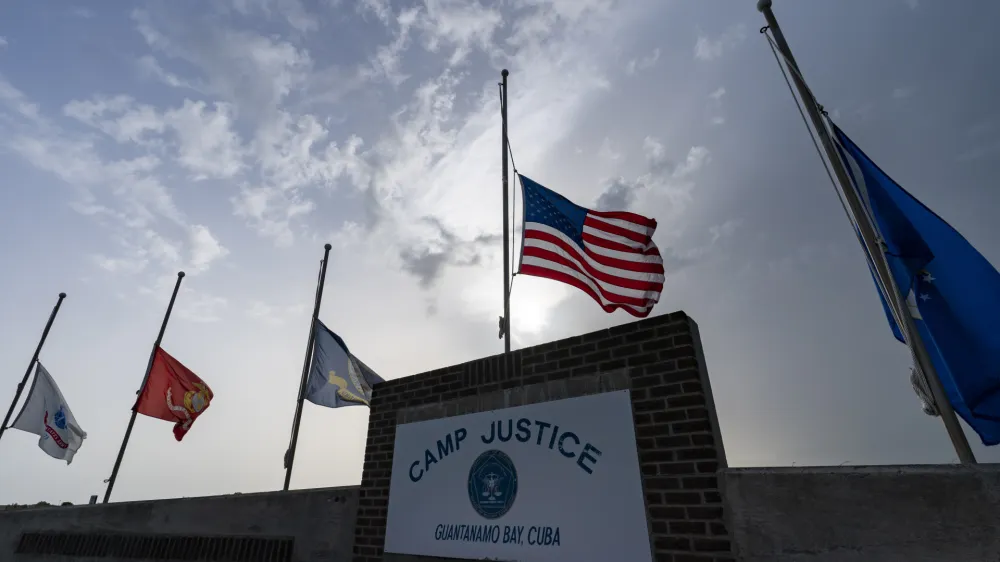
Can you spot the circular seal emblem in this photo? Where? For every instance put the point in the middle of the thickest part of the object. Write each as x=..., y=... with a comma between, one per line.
x=492, y=484
x=60, y=418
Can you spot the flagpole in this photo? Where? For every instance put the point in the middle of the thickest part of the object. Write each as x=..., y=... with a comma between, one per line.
x=290, y=453
x=31, y=364
x=873, y=245
x=138, y=393
x=506, y=215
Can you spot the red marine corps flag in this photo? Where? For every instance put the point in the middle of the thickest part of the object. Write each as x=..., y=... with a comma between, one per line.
x=173, y=393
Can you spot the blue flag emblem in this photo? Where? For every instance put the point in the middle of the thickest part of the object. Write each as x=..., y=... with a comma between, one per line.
x=952, y=291
x=337, y=378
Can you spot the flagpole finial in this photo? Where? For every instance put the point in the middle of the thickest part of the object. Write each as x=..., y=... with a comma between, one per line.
x=327, y=247
x=763, y=5
x=504, y=73
x=62, y=295
x=180, y=274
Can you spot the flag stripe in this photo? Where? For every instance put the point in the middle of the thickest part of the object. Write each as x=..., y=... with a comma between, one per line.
x=553, y=250
x=573, y=278
x=631, y=245
x=590, y=239
x=611, y=258
x=635, y=287
x=625, y=216
x=603, y=228
x=571, y=251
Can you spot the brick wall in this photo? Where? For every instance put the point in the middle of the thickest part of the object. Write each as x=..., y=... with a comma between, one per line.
x=677, y=435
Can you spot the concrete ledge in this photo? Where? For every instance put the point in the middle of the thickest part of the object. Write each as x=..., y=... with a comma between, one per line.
x=911, y=513
x=618, y=379
x=393, y=557
x=322, y=522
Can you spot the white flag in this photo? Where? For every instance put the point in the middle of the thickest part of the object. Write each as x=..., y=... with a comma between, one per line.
x=46, y=414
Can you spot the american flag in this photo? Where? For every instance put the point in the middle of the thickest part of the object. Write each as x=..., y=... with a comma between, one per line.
x=608, y=255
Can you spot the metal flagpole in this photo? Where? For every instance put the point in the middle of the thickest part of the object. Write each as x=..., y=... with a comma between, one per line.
x=505, y=321
x=290, y=453
x=34, y=359
x=138, y=393
x=873, y=245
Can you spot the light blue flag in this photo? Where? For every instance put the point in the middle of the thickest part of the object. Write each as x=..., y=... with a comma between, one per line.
x=953, y=292
x=336, y=377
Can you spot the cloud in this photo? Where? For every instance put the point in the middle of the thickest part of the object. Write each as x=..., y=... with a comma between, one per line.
x=274, y=314
x=717, y=94
x=149, y=236
x=119, y=265
x=252, y=71
x=707, y=48
x=656, y=158
x=663, y=177
x=120, y=117
x=675, y=261
x=618, y=195
x=208, y=146
x=201, y=307
x=381, y=9
x=642, y=63
x=427, y=259
x=724, y=230
x=463, y=25
x=244, y=123
x=386, y=61
x=696, y=158
x=15, y=100
x=608, y=151
x=271, y=212
x=292, y=11
x=655, y=152
x=3, y=41
x=149, y=67
x=205, y=249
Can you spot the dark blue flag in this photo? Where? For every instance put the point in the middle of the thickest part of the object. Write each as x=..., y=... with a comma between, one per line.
x=336, y=377
x=881, y=295
x=952, y=291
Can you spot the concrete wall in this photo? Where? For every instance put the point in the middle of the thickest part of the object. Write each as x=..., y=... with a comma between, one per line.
x=659, y=359
x=321, y=521
x=871, y=514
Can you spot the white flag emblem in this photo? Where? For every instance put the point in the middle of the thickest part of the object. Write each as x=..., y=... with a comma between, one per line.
x=46, y=414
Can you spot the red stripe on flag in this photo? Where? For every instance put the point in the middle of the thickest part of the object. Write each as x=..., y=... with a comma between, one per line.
x=592, y=272
x=618, y=246
x=625, y=216
x=538, y=271
x=616, y=230
x=635, y=266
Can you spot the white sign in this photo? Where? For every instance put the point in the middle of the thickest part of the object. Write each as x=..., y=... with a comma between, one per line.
x=551, y=481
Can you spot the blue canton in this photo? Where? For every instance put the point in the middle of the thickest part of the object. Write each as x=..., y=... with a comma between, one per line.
x=547, y=207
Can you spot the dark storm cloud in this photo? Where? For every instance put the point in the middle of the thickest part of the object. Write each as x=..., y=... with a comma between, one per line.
x=426, y=262
x=617, y=196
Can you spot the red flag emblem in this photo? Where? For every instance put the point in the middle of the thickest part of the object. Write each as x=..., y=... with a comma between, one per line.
x=173, y=393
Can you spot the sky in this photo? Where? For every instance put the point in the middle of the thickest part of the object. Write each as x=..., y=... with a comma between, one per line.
x=232, y=139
